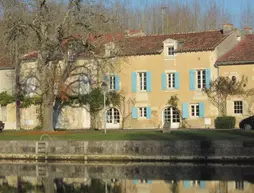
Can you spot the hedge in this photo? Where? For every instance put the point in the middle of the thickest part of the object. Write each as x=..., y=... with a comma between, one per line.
x=225, y=122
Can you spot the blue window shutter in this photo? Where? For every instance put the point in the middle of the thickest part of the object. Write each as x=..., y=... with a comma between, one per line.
x=207, y=77
x=149, y=181
x=186, y=184
x=117, y=83
x=192, y=79
x=185, y=110
x=134, y=113
x=135, y=181
x=163, y=81
x=201, y=110
x=202, y=184
x=149, y=112
x=134, y=82
x=148, y=81
x=177, y=80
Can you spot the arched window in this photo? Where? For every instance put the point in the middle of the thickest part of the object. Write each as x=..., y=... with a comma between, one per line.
x=171, y=114
x=113, y=116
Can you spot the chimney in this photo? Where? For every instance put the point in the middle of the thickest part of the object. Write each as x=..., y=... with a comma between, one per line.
x=227, y=28
x=247, y=30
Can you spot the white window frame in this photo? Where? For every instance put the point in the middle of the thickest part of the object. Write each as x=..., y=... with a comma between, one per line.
x=200, y=79
x=239, y=185
x=142, y=81
x=112, y=82
x=194, y=107
x=170, y=80
x=171, y=50
x=196, y=183
x=238, y=107
x=142, y=114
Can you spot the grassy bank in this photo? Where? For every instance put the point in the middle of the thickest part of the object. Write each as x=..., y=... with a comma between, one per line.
x=130, y=135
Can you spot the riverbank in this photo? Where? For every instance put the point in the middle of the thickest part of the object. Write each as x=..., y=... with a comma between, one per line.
x=129, y=134
x=131, y=150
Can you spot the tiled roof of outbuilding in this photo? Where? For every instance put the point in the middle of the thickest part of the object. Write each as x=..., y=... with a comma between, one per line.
x=190, y=42
x=242, y=53
x=5, y=63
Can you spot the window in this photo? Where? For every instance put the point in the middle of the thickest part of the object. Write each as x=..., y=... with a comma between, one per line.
x=171, y=80
x=201, y=79
x=31, y=85
x=196, y=183
x=143, y=181
x=171, y=51
x=194, y=110
x=238, y=107
x=112, y=80
x=239, y=185
x=113, y=116
x=171, y=115
x=142, y=80
x=142, y=112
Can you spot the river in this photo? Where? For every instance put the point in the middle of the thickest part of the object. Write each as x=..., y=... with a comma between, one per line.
x=125, y=177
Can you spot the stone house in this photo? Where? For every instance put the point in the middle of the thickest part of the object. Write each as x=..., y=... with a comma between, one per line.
x=151, y=69
x=7, y=85
x=236, y=63
x=155, y=68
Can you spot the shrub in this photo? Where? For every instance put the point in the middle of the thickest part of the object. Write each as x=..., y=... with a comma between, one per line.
x=1, y=126
x=225, y=122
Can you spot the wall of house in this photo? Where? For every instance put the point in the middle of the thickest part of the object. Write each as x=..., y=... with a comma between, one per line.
x=7, y=80
x=239, y=71
x=157, y=98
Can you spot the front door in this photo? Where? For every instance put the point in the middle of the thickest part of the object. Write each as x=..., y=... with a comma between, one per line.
x=171, y=115
x=113, y=118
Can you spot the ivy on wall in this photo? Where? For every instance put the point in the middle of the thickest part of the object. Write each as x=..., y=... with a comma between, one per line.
x=28, y=101
x=95, y=99
x=6, y=98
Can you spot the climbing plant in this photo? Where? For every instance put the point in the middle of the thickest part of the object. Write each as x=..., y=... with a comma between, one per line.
x=28, y=101
x=173, y=101
x=224, y=87
x=6, y=98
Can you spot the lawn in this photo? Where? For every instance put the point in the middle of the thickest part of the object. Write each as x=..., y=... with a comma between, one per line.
x=131, y=135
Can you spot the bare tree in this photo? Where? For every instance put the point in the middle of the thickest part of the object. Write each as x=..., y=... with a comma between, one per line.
x=247, y=14
x=60, y=32
x=224, y=87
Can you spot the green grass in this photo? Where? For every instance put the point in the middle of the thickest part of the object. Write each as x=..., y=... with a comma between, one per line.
x=132, y=135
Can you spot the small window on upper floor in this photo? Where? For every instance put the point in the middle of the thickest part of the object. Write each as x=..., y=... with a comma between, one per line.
x=112, y=82
x=171, y=51
x=239, y=185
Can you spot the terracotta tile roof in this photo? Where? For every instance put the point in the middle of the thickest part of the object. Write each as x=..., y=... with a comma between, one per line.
x=242, y=53
x=97, y=40
x=189, y=42
x=30, y=55
x=153, y=44
x=5, y=62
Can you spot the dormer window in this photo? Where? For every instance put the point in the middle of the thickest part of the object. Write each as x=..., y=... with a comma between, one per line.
x=171, y=51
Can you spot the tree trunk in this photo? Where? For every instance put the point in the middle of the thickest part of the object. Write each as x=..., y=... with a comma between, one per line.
x=17, y=85
x=47, y=124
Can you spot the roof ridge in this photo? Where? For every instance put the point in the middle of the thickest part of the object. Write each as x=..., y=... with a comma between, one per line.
x=190, y=32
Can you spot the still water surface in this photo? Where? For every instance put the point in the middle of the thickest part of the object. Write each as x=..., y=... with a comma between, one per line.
x=97, y=177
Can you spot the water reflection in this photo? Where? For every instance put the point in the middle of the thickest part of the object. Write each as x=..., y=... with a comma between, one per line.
x=11, y=184
x=74, y=181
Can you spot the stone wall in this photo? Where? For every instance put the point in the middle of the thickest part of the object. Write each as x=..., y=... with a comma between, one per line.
x=129, y=150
